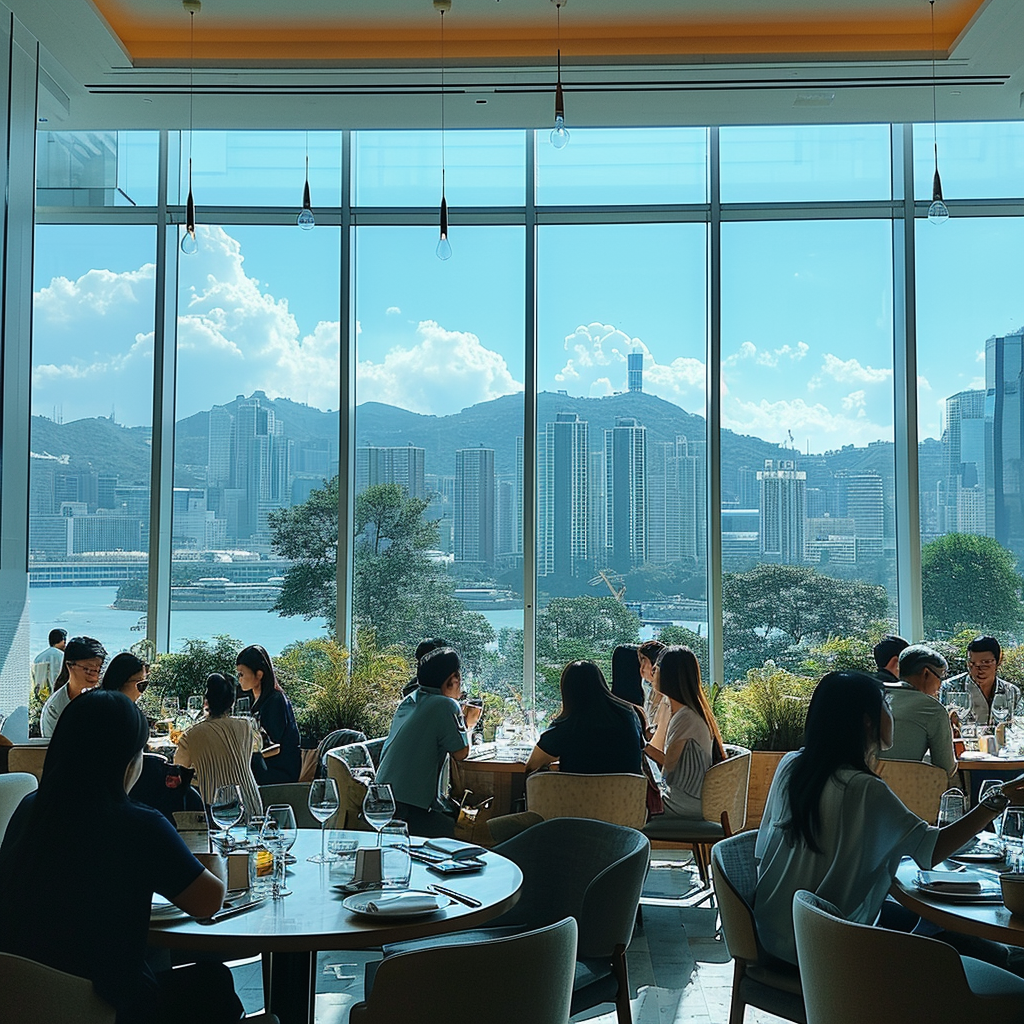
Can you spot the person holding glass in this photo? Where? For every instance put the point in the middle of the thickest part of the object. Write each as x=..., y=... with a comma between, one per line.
x=220, y=747
x=80, y=863
x=993, y=701
x=83, y=662
x=429, y=725
x=280, y=759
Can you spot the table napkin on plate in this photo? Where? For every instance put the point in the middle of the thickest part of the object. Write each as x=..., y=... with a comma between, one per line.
x=406, y=903
x=951, y=881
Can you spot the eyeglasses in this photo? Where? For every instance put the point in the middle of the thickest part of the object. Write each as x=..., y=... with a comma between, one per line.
x=141, y=686
x=986, y=663
x=87, y=669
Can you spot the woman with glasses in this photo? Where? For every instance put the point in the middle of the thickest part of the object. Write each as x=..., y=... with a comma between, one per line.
x=128, y=674
x=220, y=747
x=280, y=759
x=83, y=662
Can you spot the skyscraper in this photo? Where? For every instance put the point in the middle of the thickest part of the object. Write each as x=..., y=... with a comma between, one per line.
x=675, y=503
x=1004, y=448
x=783, y=508
x=963, y=453
x=402, y=466
x=626, y=502
x=474, y=505
x=564, y=497
x=860, y=500
x=635, y=371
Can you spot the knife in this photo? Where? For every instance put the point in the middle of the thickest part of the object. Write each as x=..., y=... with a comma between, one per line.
x=468, y=901
x=231, y=911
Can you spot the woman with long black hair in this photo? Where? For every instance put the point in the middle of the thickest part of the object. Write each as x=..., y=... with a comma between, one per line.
x=80, y=863
x=281, y=760
x=832, y=826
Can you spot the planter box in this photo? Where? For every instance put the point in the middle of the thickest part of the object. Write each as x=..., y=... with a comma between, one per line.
x=762, y=770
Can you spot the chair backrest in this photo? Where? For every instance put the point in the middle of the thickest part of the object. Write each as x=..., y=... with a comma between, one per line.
x=851, y=973
x=581, y=868
x=351, y=791
x=27, y=757
x=338, y=738
x=527, y=977
x=618, y=799
x=725, y=788
x=376, y=748
x=14, y=787
x=735, y=877
x=488, y=779
x=920, y=786
x=35, y=994
x=296, y=795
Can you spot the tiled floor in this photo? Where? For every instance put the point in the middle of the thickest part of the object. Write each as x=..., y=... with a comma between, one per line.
x=678, y=966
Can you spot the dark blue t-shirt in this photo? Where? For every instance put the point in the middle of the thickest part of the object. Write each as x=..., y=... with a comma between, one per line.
x=274, y=713
x=84, y=908
x=609, y=744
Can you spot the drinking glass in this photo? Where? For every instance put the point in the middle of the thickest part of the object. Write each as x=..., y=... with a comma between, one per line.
x=378, y=806
x=195, y=707
x=395, y=862
x=226, y=809
x=1011, y=833
x=242, y=705
x=952, y=807
x=279, y=835
x=1000, y=709
x=323, y=802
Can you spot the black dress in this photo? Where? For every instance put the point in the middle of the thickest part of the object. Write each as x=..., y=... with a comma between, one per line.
x=274, y=713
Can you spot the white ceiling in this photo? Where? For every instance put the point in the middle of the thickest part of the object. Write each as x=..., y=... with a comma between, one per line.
x=94, y=81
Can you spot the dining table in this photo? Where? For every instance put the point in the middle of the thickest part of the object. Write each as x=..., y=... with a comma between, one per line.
x=289, y=932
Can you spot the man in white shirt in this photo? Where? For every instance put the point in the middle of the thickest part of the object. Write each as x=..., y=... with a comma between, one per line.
x=83, y=659
x=47, y=665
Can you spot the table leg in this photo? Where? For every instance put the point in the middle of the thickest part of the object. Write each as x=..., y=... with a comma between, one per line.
x=290, y=986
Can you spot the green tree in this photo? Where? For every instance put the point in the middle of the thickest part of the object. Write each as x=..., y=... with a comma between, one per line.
x=183, y=673
x=968, y=580
x=680, y=635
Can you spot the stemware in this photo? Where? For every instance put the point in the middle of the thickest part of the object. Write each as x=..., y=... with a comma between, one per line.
x=1011, y=832
x=323, y=802
x=195, y=707
x=278, y=835
x=227, y=809
x=378, y=806
x=952, y=807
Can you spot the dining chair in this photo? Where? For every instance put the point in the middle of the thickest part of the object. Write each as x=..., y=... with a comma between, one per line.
x=502, y=781
x=758, y=979
x=508, y=980
x=32, y=993
x=617, y=799
x=27, y=757
x=852, y=973
x=919, y=785
x=351, y=788
x=337, y=738
x=296, y=795
x=723, y=808
x=14, y=787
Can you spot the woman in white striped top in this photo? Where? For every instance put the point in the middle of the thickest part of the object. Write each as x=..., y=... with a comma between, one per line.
x=220, y=747
x=693, y=742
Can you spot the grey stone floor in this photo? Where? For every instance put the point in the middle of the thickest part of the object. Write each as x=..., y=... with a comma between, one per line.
x=679, y=966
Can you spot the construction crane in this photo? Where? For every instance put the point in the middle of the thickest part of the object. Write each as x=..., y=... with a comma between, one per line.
x=608, y=577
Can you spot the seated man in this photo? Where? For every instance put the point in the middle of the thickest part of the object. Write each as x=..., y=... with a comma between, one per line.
x=921, y=729
x=982, y=683
x=83, y=661
x=428, y=726
x=887, y=658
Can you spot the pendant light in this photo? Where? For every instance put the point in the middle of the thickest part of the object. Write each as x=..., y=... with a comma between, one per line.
x=189, y=242
x=938, y=212
x=305, y=219
x=444, y=247
x=559, y=134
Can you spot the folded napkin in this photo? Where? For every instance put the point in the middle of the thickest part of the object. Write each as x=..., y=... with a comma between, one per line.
x=407, y=903
x=967, y=882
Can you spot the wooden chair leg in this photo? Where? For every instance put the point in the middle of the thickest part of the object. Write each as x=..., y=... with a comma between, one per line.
x=623, y=1010
x=737, y=1007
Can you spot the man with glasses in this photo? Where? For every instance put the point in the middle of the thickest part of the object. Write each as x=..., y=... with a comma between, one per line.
x=993, y=700
x=83, y=662
x=921, y=728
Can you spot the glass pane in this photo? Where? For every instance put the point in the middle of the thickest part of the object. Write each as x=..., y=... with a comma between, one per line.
x=970, y=415
x=439, y=428
x=805, y=163
x=808, y=523
x=976, y=161
x=632, y=165
x=404, y=168
x=97, y=168
x=257, y=429
x=92, y=402
x=253, y=168
x=622, y=447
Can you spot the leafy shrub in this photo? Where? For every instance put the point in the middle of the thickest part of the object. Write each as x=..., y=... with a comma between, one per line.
x=768, y=711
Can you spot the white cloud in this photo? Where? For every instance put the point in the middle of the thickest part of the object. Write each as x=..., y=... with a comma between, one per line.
x=441, y=372
x=848, y=371
x=767, y=357
x=824, y=428
x=393, y=311
x=854, y=400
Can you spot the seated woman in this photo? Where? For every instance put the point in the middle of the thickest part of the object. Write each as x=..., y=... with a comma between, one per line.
x=627, y=683
x=832, y=826
x=594, y=733
x=692, y=740
x=80, y=863
x=220, y=747
x=273, y=711
x=657, y=709
x=128, y=674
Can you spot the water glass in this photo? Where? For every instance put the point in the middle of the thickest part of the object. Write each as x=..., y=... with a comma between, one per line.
x=378, y=805
x=396, y=864
x=279, y=835
x=195, y=707
x=1011, y=832
x=323, y=803
x=227, y=809
x=952, y=807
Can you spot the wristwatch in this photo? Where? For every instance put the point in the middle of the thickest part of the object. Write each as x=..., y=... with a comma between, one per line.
x=996, y=801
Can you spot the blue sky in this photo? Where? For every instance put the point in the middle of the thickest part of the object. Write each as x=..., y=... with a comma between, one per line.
x=806, y=306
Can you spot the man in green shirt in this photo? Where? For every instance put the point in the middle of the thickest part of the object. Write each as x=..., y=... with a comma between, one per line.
x=428, y=726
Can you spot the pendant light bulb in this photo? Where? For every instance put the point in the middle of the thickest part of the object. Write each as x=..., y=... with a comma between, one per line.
x=189, y=242
x=444, y=247
x=305, y=219
x=559, y=134
x=938, y=212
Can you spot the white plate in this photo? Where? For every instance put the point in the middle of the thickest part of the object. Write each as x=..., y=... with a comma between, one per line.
x=357, y=903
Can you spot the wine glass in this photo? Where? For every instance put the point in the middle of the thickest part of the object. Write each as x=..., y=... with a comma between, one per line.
x=952, y=807
x=323, y=802
x=242, y=705
x=195, y=707
x=1011, y=832
x=279, y=835
x=378, y=806
x=227, y=809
